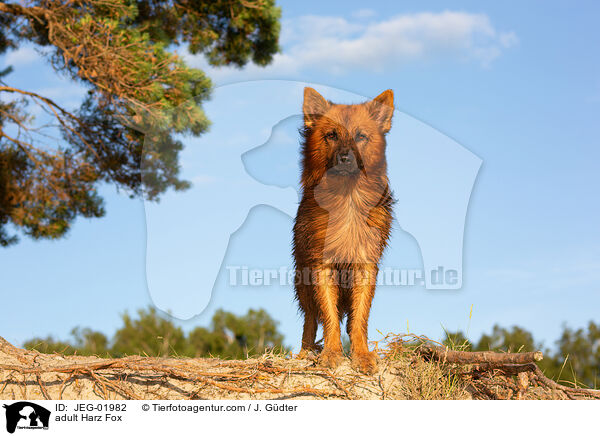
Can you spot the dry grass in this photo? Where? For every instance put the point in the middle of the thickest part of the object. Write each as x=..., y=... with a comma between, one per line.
x=404, y=373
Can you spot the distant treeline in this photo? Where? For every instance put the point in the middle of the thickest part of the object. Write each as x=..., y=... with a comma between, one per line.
x=229, y=337
x=575, y=359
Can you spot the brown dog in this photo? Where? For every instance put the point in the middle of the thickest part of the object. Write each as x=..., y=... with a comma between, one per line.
x=343, y=221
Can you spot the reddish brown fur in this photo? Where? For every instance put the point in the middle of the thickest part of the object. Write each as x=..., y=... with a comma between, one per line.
x=343, y=222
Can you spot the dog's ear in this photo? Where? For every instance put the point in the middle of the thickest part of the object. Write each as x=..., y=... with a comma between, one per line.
x=314, y=106
x=382, y=109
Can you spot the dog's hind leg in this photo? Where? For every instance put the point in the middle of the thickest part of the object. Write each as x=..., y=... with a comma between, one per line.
x=309, y=334
x=305, y=296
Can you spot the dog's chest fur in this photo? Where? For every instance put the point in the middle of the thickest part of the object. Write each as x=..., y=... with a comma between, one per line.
x=356, y=225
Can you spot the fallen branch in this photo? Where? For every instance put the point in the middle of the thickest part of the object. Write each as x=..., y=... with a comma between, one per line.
x=506, y=364
x=540, y=377
x=443, y=354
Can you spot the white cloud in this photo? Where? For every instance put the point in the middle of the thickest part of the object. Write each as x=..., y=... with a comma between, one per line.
x=508, y=39
x=22, y=56
x=203, y=179
x=337, y=45
x=364, y=13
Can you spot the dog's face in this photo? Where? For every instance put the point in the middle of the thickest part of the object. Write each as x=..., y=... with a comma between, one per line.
x=344, y=141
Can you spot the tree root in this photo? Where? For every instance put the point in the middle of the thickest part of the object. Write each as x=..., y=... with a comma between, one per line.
x=433, y=367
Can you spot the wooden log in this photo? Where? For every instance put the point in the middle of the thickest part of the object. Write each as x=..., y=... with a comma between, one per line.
x=490, y=358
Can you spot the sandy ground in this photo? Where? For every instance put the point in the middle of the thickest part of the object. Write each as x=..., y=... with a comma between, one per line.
x=31, y=375
x=405, y=375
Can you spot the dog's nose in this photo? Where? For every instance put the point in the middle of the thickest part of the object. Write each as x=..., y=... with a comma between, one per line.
x=345, y=161
x=344, y=157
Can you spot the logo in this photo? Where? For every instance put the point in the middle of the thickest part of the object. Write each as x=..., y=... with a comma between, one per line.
x=26, y=415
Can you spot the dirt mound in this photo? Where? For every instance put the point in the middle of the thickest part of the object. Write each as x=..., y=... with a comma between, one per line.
x=405, y=372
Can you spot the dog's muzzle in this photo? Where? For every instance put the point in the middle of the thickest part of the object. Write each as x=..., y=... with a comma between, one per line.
x=345, y=162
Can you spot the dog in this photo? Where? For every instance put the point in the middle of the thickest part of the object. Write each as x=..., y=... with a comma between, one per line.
x=343, y=222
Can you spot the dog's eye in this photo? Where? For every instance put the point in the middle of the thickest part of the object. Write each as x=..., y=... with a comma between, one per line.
x=360, y=137
x=331, y=135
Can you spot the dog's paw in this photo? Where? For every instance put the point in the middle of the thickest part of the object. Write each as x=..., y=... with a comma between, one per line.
x=330, y=358
x=310, y=352
x=365, y=362
x=306, y=354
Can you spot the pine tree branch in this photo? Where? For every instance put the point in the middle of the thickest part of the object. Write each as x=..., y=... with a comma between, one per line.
x=16, y=9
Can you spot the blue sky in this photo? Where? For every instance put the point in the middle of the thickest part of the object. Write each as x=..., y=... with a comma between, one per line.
x=517, y=84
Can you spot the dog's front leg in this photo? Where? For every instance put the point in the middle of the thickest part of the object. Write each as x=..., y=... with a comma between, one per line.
x=327, y=295
x=363, y=289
